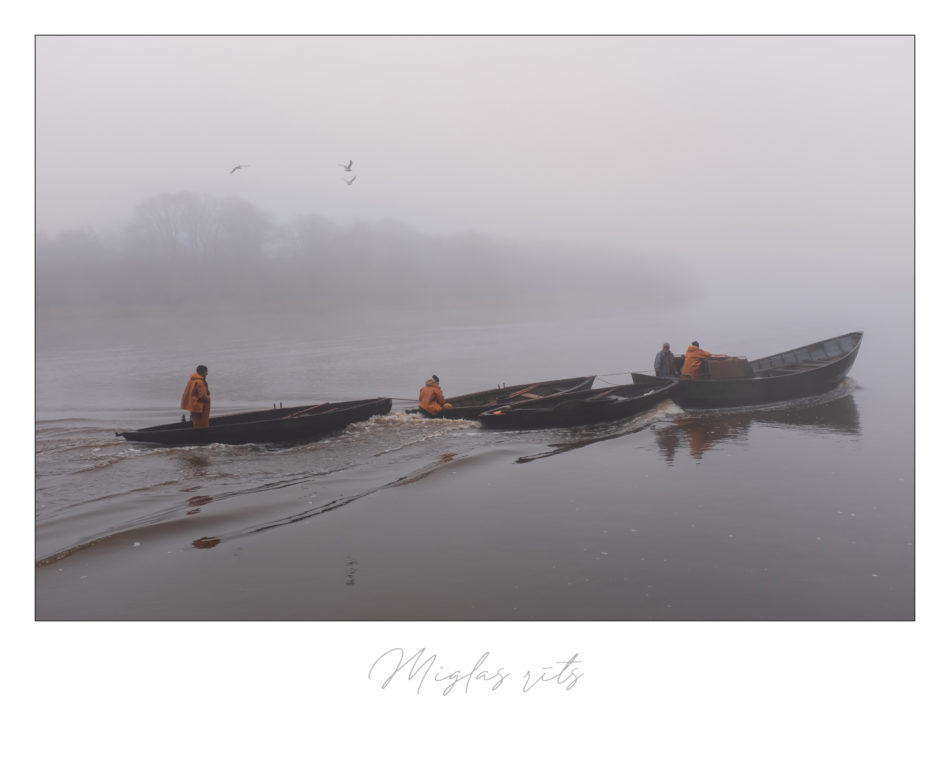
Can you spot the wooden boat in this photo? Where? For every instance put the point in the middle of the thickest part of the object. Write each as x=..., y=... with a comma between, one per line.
x=269, y=426
x=579, y=407
x=805, y=371
x=470, y=405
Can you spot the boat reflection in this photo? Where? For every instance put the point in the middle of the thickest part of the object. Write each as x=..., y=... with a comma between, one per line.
x=702, y=432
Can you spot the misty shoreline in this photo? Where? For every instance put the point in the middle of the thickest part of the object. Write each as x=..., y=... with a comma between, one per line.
x=195, y=255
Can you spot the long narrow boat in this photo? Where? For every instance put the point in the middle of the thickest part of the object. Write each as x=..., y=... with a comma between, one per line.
x=470, y=405
x=579, y=407
x=805, y=371
x=269, y=426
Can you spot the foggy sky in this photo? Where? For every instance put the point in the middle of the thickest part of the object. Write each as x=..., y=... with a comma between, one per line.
x=774, y=153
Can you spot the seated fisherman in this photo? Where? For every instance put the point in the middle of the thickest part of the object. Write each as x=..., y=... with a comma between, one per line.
x=431, y=401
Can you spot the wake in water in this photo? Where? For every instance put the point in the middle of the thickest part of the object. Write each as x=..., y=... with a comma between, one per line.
x=118, y=489
x=591, y=434
x=114, y=485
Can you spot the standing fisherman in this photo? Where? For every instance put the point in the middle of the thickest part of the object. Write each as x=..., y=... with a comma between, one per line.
x=665, y=363
x=197, y=398
x=693, y=363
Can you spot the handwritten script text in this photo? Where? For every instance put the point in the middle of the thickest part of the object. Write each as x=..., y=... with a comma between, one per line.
x=395, y=666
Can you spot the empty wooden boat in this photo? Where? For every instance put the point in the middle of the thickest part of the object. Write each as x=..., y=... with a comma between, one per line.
x=582, y=407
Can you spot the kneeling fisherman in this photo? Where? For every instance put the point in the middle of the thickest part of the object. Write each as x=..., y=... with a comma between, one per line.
x=431, y=401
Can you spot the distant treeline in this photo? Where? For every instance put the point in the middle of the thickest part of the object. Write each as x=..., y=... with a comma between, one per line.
x=186, y=250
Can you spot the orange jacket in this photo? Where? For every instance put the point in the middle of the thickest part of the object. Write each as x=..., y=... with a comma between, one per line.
x=431, y=398
x=197, y=397
x=693, y=363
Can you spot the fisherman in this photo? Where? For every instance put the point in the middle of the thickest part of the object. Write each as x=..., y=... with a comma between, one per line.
x=693, y=363
x=197, y=398
x=431, y=401
x=665, y=363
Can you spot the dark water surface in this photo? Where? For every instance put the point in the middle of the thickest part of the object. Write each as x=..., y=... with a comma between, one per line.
x=800, y=510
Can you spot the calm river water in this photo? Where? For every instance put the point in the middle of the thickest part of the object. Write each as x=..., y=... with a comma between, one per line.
x=796, y=511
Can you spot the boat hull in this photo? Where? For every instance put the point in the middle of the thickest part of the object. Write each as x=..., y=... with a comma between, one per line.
x=585, y=407
x=806, y=371
x=269, y=426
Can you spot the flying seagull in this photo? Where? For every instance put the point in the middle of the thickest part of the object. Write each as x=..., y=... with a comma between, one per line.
x=348, y=167
x=239, y=166
x=350, y=181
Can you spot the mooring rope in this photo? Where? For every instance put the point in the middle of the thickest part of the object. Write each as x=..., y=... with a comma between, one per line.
x=615, y=374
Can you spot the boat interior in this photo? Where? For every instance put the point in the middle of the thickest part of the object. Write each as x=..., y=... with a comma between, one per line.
x=514, y=393
x=813, y=356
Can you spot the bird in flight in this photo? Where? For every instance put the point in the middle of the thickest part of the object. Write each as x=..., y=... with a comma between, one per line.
x=350, y=181
x=239, y=166
x=348, y=167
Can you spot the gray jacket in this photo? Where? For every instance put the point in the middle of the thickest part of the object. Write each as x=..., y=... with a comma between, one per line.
x=665, y=364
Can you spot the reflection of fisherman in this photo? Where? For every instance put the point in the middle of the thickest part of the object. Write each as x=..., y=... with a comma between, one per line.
x=693, y=363
x=197, y=398
x=667, y=440
x=665, y=363
x=431, y=401
x=698, y=440
x=698, y=435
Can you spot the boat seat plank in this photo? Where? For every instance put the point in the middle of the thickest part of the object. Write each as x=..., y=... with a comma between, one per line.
x=525, y=391
x=601, y=395
x=308, y=410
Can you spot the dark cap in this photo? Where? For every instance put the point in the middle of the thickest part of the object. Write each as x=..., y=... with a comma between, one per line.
x=695, y=343
x=435, y=377
x=201, y=369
